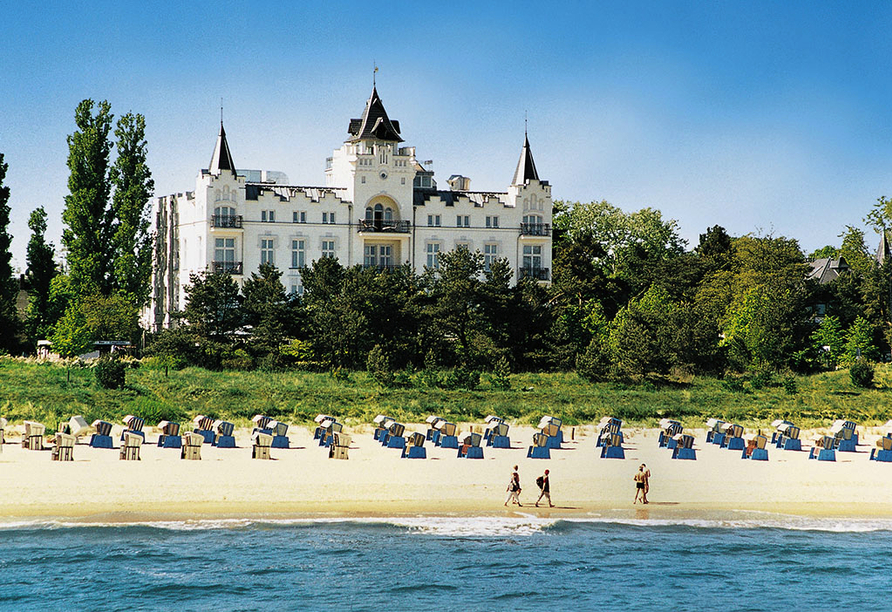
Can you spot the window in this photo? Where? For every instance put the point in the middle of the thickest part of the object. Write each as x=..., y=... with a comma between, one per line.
x=433, y=220
x=297, y=289
x=224, y=252
x=463, y=221
x=328, y=248
x=299, y=216
x=490, y=254
x=328, y=217
x=403, y=181
x=370, y=256
x=266, y=251
x=462, y=246
x=433, y=255
x=385, y=256
x=224, y=216
x=492, y=221
x=268, y=216
x=363, y=179
x=532, y=257
x=298, y=253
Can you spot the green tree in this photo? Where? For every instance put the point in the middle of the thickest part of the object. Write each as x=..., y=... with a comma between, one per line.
x=40, y=273
x=827, y=251
x=268, y=310
x=854, y=250
x=860, y=340
x=830, y=335
x=89, y=220
x=9, y=320
x=71, y=335
x=213, y=306
x=638, y=335
x=132, y=180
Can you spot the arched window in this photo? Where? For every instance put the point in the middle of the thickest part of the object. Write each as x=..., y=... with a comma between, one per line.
x=369, y=216
x=388, y=214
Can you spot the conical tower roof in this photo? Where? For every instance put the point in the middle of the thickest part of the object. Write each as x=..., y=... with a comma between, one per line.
x=526, y=167
x=374, y=123
x=222, y=158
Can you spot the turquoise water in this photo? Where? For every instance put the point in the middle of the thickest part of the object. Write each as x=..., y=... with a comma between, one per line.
x=482, y=563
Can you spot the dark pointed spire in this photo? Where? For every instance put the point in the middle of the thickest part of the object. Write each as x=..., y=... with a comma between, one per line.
x=883, y=250
x=222, y=158
x=526, y=167
x=374, y=124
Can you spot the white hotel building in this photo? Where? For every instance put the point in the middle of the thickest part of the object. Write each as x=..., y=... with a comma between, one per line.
x=379, y=208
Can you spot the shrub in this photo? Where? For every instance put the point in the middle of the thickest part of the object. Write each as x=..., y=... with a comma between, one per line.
x=862, y=373
x=378, y=364
x=501, y=375
x=109, y=372
x=594, y=363
x=790, y=385
x=461, y=378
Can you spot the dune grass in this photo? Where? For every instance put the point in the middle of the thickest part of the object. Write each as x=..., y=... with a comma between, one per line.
x=43, y=392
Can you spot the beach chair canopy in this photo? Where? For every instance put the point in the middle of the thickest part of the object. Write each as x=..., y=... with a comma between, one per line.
x=132, y=439
x=380, y=419
x=64, y=440
x=431, y=419
x=826, y=442
x=501, y=429
x=714, y=424
x=667, y=423
x=448, y=429
x=224, y=428
x=540, y=439
x=489, y=420
x=3, y=423
x=261, y=439
x=473, y=439
x=415, y=439
x=885, y=443
x=193, y=439
x=683, y=440
x=77, y=426
x=396, y=429
x=322, y=417
x=261, y=421
x=342, y=439
x=780, y=424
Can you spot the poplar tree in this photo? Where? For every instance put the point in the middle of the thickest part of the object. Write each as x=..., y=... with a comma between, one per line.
x=8, y=288
x=132, y=240
x=89, y=219
x=40, y=273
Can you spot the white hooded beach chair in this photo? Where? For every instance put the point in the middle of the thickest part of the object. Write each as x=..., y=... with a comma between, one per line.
x=64, y=447
x=131, y=446
x=191, y=448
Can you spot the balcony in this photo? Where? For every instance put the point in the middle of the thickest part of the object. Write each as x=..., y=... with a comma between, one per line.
x=227, y=221
x=227, y=267
x=380, y=267
x=534, y=273
x=380, y=225
x=535, y=229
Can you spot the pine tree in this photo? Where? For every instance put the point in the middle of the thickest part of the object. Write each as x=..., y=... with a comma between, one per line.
x=132, y=179
x=40, y=273
x=89, y=219
x=9, y=321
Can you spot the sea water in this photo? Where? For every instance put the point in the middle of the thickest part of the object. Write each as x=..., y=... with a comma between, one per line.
x=512, y=562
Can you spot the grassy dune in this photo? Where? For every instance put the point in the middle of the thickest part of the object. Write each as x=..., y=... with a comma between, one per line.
x=42, y=391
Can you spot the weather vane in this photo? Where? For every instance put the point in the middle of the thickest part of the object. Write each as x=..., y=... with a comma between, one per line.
x=375, y=64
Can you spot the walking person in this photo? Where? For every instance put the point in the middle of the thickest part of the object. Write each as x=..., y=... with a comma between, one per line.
x=544, y=489
x=514, y=488
x=642, y=484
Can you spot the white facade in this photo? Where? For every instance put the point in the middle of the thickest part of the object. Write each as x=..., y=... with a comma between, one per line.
x=379, y=208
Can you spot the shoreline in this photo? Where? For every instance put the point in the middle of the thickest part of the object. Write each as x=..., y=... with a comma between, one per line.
x=301, y=483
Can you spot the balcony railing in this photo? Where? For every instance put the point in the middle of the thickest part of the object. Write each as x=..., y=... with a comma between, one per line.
x=228, y=267
x=380, y=225
x=535, y=229
x=380, y=267
x=234, y=221
x=534, y=273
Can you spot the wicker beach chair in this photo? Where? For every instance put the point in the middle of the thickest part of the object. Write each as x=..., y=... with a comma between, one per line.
x=262, y=442
x=33, y=436
x=131, y=446
x=191, y=449
x=64, y=447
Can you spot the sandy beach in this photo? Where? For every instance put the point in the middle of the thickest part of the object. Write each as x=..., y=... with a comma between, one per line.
x=375, y=481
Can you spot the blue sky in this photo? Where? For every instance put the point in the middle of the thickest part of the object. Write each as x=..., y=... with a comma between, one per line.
x=757, y=116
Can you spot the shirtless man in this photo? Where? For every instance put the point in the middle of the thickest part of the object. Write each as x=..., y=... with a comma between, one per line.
x=641, y=478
